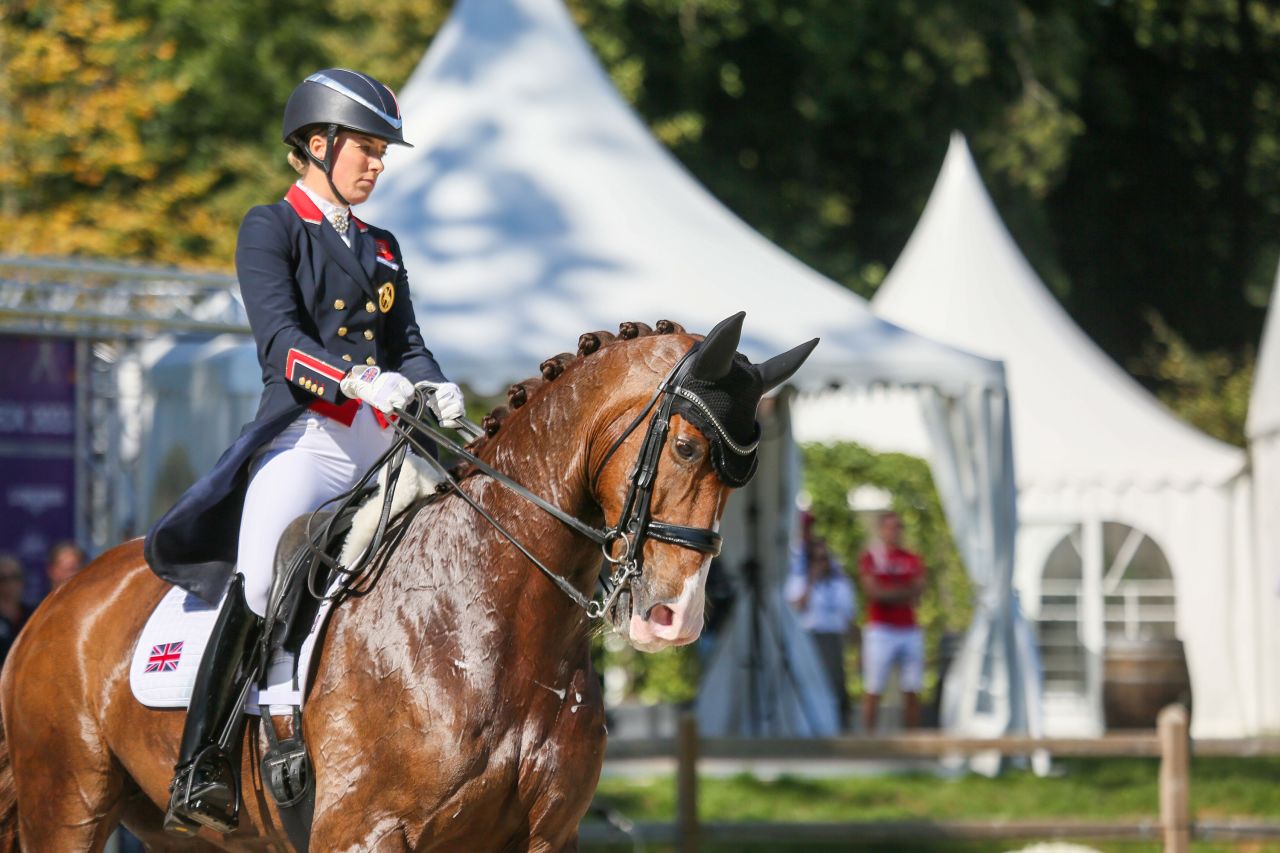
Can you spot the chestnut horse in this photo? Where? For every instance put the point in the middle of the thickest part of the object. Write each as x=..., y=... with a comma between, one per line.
x=453, y=706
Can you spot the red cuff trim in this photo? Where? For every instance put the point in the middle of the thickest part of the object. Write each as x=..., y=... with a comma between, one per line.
x=298, y=358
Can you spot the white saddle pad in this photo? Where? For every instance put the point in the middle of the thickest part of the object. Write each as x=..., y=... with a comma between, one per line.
x=168, y=653
x=170, y=648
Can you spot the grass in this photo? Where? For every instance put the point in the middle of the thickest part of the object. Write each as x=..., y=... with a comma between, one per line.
x=1085, y=789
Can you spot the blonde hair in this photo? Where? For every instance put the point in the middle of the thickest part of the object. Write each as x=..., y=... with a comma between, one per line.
x=299, y=163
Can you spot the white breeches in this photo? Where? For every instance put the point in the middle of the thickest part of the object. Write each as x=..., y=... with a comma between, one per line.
x=312, y=460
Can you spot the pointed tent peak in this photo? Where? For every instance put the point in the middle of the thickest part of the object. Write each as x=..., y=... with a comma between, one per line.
x=961, y=224
x=959, y=156
x=963, y=280
x=1264, y=401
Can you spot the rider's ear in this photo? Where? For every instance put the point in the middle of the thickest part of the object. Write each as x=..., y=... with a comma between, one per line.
x=779, y=369
x=715, y=356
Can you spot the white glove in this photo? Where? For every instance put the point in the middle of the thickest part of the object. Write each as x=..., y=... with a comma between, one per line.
x=446, y=401
x=383, y=391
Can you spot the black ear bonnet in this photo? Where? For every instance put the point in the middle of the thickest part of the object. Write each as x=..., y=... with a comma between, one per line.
x=725, y=412
x=720, y=390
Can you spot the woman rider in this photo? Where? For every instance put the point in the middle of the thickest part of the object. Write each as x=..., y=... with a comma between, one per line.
x=328, y=301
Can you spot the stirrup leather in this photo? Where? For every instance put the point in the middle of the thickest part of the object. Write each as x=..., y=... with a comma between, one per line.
x=205, y=792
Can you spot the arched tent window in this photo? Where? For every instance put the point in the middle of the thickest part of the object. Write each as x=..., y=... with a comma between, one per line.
x=1062, y=651
x=1137, y=585
x=1101, y=580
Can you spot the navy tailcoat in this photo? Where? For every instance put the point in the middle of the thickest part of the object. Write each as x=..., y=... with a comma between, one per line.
x=317, y=307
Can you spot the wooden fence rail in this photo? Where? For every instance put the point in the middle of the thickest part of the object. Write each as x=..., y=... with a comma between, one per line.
x=1170, y=742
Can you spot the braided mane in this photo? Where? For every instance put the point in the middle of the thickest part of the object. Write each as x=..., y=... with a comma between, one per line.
x=520, y=393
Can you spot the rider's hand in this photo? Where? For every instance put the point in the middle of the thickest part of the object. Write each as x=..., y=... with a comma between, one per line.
x=446, y=401
x=383, y=391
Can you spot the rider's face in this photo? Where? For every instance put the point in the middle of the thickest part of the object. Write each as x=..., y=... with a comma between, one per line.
x=356, y=167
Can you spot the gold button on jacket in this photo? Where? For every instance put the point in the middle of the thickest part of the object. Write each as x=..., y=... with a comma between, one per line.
x=370, y=360
x=342, y=331
x=368, y=334
x=339, y=304
x=370, y=307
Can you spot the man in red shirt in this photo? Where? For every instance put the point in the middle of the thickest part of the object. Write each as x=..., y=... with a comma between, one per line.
x=892, y=581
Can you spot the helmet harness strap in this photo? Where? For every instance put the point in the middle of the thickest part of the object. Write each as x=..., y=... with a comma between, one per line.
x=326, y=165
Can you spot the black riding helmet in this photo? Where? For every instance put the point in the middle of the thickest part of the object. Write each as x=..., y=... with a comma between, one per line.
x=337, y=99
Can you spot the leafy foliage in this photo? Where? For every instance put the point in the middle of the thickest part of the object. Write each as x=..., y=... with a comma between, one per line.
x=1210, y=390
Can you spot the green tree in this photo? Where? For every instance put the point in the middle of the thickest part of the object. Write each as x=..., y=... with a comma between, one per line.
x=1208, y=390
x=79, y=84
x=823, y=124
x=1172, y=198
x=143, y=129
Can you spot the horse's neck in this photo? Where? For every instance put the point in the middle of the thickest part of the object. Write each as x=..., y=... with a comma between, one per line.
x=545, y=447
x=457, y=582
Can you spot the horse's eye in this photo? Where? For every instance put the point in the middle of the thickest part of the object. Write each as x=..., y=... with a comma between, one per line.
x=687, y=449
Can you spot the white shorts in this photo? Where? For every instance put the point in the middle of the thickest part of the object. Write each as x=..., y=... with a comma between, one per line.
x=886, y=646
x=313, y=459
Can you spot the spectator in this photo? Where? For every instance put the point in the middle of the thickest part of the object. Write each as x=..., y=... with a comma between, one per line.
x=824, y=596
x=12, y=613
x=892, y=580
x=65, y=561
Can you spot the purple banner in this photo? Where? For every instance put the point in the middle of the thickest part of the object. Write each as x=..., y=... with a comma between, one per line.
x=37, y=451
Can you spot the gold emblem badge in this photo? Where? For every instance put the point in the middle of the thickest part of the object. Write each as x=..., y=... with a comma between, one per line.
x=386, y=297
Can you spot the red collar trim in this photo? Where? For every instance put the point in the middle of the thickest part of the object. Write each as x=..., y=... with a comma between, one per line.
x=303, y=205
x=360, y=226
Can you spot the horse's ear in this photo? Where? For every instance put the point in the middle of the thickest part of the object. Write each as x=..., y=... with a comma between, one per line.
x=779, y=369
x=715, y=357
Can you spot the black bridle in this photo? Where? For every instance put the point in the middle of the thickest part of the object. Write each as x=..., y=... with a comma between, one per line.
x=635, y=522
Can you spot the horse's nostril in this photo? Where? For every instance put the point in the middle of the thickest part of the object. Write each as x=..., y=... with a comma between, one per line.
x=662, y=615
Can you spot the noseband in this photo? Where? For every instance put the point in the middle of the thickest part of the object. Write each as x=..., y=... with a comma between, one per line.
x=635, y=525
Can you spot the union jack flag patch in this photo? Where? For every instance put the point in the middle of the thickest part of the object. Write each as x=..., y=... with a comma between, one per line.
x=164, y=657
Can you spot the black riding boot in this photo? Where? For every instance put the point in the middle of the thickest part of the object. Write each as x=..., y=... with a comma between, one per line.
x=206, y=785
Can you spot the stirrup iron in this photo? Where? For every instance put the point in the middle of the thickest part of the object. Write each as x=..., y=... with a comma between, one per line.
x=206, y=792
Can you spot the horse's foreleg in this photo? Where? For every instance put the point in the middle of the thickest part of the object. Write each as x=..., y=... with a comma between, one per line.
x=69, y=790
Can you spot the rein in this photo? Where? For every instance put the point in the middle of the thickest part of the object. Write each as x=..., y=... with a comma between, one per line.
x=634, y=523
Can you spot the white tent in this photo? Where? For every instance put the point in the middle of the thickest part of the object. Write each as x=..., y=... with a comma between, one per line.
x=1263, y=429
x=535, y=206
x=196, y=395
x=1132, y=522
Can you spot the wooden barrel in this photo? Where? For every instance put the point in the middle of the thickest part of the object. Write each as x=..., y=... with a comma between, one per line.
x=1139, y=678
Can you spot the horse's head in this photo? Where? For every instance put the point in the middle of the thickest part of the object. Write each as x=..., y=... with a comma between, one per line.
x=665, y=471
